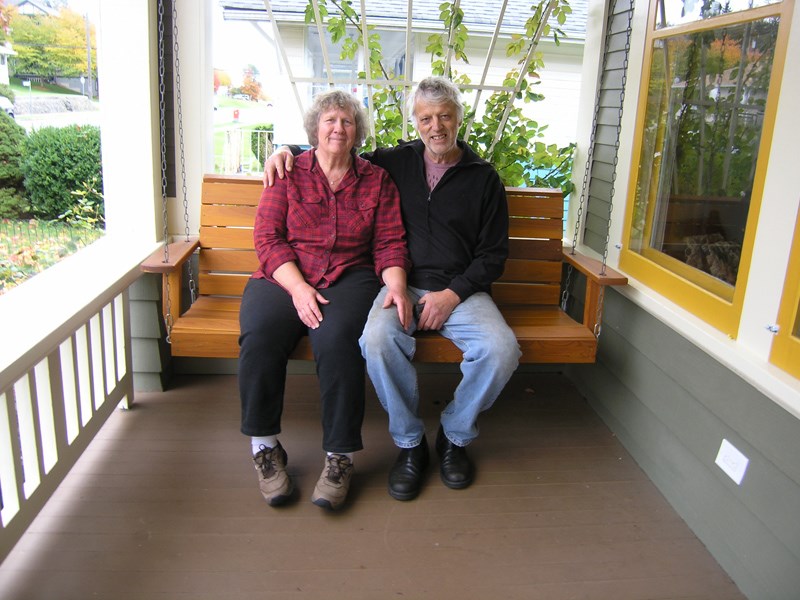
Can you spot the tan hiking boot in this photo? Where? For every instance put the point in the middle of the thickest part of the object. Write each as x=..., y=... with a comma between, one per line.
x=274, y=482
x=333, y=484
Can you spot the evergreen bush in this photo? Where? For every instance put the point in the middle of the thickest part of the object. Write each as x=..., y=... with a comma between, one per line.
x=12, y=137
x=57, y=162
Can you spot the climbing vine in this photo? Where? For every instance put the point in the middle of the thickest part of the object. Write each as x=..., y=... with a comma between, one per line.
x=499, y=131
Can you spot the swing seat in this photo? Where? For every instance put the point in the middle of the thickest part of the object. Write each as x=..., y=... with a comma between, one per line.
x=528, y=293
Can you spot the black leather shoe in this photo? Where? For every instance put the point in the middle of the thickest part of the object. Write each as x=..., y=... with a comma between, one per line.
x=455, y=467
x=405, y=478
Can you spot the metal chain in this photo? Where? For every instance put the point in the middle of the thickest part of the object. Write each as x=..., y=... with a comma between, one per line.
x=589, y=159
x=192, y=287
x=163, y=140
x=598, y=316
x=587, y=169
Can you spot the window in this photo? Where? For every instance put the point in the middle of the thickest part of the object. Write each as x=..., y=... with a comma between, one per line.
x=710, y=85
x=346, y=70
x=786, y=348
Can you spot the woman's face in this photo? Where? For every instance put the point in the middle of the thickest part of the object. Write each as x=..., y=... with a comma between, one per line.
x=336, y=131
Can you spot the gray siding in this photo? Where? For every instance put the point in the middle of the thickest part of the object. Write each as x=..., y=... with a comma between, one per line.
x=149, y=355
x=600, y=191
x=671, y=405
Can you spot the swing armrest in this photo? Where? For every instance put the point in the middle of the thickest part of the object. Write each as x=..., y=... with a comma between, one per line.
x=171, y=270
x=596, y=280
x=593, y=268
x=179, y=252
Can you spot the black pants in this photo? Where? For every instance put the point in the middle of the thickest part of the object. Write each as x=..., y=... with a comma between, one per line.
x=270, y=329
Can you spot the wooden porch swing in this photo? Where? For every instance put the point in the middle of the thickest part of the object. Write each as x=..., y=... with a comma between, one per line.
x=529, y=293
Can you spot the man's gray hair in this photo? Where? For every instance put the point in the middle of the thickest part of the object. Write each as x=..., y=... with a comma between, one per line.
x=436, y=90
x=335, y=99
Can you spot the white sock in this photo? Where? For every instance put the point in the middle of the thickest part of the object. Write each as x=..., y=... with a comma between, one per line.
x=270, y=441
x=347, y=454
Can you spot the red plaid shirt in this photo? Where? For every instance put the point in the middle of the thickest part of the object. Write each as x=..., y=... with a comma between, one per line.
x=300, y=219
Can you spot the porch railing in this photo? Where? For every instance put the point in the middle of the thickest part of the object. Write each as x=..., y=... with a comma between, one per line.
x=65, y=365
x=241, y=149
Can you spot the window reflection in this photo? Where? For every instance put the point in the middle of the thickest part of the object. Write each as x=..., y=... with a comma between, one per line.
x=704, y=118
x=672, y=12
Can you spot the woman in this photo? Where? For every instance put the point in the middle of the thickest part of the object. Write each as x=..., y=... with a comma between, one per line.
x=325, y=236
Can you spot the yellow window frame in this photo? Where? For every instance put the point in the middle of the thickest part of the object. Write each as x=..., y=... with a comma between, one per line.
x=785, y=352
x=708, y=299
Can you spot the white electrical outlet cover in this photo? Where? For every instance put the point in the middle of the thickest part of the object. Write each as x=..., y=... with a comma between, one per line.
x=733, y=462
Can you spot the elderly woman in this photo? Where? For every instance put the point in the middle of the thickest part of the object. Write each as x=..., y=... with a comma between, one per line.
x=326, y=236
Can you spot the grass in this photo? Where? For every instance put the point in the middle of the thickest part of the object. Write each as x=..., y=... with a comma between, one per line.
x=38, y=89
x=30, y=247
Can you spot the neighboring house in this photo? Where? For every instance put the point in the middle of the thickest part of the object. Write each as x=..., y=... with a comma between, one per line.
x=33, y=7
x=295, y=59
x=5, y=52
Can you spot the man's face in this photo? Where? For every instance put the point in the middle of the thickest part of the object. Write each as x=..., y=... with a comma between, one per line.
x=438, y=128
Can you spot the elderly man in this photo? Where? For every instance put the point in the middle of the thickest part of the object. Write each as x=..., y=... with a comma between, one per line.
x=456, y=218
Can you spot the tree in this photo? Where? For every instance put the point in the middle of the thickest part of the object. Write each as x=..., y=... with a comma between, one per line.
x=221, y=78
x=250, y=85
x=5, y=20
x=50, y=46
x=503, y=134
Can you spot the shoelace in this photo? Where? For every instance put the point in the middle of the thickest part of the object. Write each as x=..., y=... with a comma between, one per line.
x=264, y=460
x=337, y=465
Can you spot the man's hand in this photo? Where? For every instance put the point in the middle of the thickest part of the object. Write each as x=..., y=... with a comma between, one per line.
x=282, y=160
x=436, y=309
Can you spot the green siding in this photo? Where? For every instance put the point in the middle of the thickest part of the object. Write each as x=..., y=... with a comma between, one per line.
x=671, y=405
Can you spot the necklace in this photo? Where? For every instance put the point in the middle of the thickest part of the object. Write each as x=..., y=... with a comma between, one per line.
x=334, y=182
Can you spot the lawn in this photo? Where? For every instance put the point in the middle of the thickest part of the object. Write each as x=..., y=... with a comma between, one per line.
x=36, y=89
x=30, y=247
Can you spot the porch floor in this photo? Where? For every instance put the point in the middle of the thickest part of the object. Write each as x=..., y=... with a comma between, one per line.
x=164, y=505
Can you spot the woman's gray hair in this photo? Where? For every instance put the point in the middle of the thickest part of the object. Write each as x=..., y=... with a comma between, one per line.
x=436, y=90
x=335, y=99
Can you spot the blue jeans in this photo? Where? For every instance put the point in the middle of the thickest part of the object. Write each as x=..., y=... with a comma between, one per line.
x=491, y=354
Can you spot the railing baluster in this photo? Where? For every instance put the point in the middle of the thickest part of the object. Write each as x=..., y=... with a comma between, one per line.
x=53, y=410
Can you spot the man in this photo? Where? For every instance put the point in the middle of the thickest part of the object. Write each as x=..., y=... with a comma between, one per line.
x=456, y=219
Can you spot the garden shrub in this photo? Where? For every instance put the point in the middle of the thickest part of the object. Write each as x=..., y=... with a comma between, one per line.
x=12, y=138
x=57, y=162
x=261, y=143
x=5, y=90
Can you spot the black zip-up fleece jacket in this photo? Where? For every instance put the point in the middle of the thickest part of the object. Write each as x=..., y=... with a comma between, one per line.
x=457, y=234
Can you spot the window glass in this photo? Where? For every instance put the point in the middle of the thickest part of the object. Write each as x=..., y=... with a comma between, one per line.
x=671, y=13
x=345, y=70
x=703, y=124
x=786, y=347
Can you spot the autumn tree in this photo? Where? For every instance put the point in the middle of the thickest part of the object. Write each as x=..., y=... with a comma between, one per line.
x=5, y=20
x=250, y=85
x=50, y=46
x=221, y=78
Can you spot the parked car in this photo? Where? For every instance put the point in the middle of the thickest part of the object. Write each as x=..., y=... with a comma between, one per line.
x=7, y=106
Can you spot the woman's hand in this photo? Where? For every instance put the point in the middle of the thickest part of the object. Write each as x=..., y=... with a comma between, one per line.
x=306, y=302
x=306, y=298
x=395, y=280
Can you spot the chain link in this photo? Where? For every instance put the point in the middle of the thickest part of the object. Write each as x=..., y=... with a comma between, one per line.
x=192, y=286
x=163, y=139
x=590, y=159
x=601, y=297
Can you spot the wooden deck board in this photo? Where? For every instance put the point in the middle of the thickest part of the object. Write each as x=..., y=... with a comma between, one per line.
x=164, y=505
